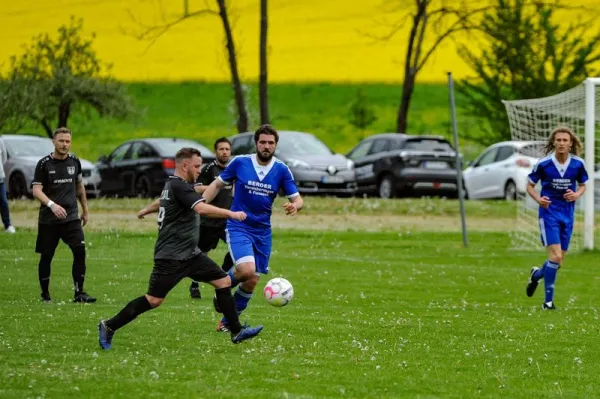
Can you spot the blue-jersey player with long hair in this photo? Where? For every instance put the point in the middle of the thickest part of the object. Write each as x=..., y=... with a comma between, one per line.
x=563, y=176
x=257, y=179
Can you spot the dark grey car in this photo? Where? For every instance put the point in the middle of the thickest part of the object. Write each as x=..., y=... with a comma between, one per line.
x=315, y=167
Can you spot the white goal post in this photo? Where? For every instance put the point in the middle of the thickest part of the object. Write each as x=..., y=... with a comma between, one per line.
x=534, y=119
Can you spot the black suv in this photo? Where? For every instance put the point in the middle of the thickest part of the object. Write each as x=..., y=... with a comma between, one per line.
x=393, y=164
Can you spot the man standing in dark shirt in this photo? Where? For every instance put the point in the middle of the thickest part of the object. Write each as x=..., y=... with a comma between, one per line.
x=57, y=184
x=176, y=253
x=212, y=230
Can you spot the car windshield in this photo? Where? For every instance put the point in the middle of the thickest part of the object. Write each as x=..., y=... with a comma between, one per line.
x=169, y=148
x=427, y=145
x=533, y=150
x=28, y=146
x=301, y=144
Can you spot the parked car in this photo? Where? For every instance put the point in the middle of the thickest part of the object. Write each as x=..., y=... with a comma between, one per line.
x=24, y=152
x=315, y=167
x=502, y=169
x=392, y=164
x=140, y=167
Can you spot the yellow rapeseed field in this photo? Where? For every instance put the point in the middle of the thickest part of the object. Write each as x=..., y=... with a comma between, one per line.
x=310, y=40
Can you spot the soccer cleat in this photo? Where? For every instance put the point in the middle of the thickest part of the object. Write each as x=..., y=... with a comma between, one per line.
x=195, y=292
x=105, y=335
x=83, y=297
x=548, y=306
x=532, y=285
x=246, y=333
x=223, y=326
x=46, y=297
x=216, y=305
x=10, y=230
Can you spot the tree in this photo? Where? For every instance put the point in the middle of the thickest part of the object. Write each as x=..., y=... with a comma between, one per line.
x=54, y=78
x=439, y=19
x=361, y=114
x=154, y=32
x=263, y=80
x=527, y=53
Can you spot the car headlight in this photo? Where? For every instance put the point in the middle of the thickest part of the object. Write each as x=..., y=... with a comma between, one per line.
x=296, y=163
x=349, y=164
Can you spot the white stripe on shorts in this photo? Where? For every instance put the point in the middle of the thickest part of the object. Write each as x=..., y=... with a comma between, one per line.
x=543, y=231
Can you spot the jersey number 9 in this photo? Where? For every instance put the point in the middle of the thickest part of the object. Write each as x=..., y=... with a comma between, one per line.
x=161, y=216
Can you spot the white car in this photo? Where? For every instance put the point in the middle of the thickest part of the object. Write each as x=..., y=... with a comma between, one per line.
x=502, y=170
x=24, y=152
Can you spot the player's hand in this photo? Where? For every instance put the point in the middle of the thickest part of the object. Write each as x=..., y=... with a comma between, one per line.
x=84, y=218
x=290, y=208
x=240, y=216
x=58, y=211
x=544, y=202
x=571, y=196
x=142, y=213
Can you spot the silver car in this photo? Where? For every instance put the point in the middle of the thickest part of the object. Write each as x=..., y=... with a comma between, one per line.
x=24, y=152
x=315, y=167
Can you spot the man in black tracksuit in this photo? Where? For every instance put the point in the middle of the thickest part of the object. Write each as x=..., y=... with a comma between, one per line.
x=212, y=230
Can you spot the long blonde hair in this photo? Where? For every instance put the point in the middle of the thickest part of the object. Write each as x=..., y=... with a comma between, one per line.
x=576, y=145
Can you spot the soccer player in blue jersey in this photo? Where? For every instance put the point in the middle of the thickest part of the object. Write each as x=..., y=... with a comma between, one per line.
x=563, y=176
x=257, y=179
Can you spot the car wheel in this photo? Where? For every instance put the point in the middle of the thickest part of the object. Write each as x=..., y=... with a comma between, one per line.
x=17, y=186
x=143, y=187
x=510, y=191
x=386, y=187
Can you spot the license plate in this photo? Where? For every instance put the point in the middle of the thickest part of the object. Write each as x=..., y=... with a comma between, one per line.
x=435, y=165
x=332, y=179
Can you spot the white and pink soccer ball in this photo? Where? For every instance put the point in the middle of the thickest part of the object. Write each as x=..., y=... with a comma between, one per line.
x=278, y=292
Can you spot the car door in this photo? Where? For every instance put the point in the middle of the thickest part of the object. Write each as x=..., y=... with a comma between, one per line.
x=478, y=184
x=129, y=168
x=502, y=170
x=111, y=169
x=362, y=167
x=378, y=159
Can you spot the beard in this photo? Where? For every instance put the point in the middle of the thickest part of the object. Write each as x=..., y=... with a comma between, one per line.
x=264, y=158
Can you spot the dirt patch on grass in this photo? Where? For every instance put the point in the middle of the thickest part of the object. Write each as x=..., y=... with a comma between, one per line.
x=127, y=221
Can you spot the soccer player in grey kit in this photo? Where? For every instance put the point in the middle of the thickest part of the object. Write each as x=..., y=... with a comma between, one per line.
x=176, y=253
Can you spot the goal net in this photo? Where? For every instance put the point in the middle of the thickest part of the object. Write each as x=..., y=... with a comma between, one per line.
x=534, y=120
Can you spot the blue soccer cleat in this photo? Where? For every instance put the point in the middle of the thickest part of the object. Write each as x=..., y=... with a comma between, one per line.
x=246, y=333
x=105, y=335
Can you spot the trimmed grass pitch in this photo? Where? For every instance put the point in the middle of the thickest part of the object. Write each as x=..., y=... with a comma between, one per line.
x=390, y=314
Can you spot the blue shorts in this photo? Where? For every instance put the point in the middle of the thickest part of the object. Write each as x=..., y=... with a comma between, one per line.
x=247, y=245
x=556, y=228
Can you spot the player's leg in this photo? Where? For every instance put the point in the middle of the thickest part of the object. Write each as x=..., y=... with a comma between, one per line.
x=72, y=235
x=241, y=250
x=227, y=260
x=46, y=243
x=202, y=268
x=162, y=280
x=262, y=253
x=549, y=235
x=207, y=242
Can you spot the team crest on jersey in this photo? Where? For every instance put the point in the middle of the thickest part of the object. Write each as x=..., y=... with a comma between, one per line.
x=71, y=170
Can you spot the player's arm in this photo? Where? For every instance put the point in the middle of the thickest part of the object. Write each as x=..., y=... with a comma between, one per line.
x=543, y=201
x=200, y=189
x=213, y=189
x=212, y=211
x=82, y=196
x=291, y=191
x=150, y=208
x=575, y=195
x=294, y=206
x=39, y=179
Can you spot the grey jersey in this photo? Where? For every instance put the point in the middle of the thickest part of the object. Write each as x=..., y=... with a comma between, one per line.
x=223, y=199
x=58, y=178
x=178, y=223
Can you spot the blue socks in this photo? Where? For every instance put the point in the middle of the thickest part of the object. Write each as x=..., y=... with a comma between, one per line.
x=537, y=276
x=550, y=269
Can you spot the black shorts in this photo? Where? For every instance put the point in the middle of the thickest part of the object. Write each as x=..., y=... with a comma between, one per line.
x=50, y=234
x=210, y=236
x=167, y=273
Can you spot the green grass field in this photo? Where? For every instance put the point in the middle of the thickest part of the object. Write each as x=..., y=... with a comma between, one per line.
x=397, y=313
x=202, y=111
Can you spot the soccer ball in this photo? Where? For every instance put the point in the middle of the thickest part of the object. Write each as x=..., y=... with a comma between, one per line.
x=278, y=292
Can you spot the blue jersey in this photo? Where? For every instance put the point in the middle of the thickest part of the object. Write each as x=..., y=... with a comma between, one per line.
x=255, y=188
x=557, y=178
